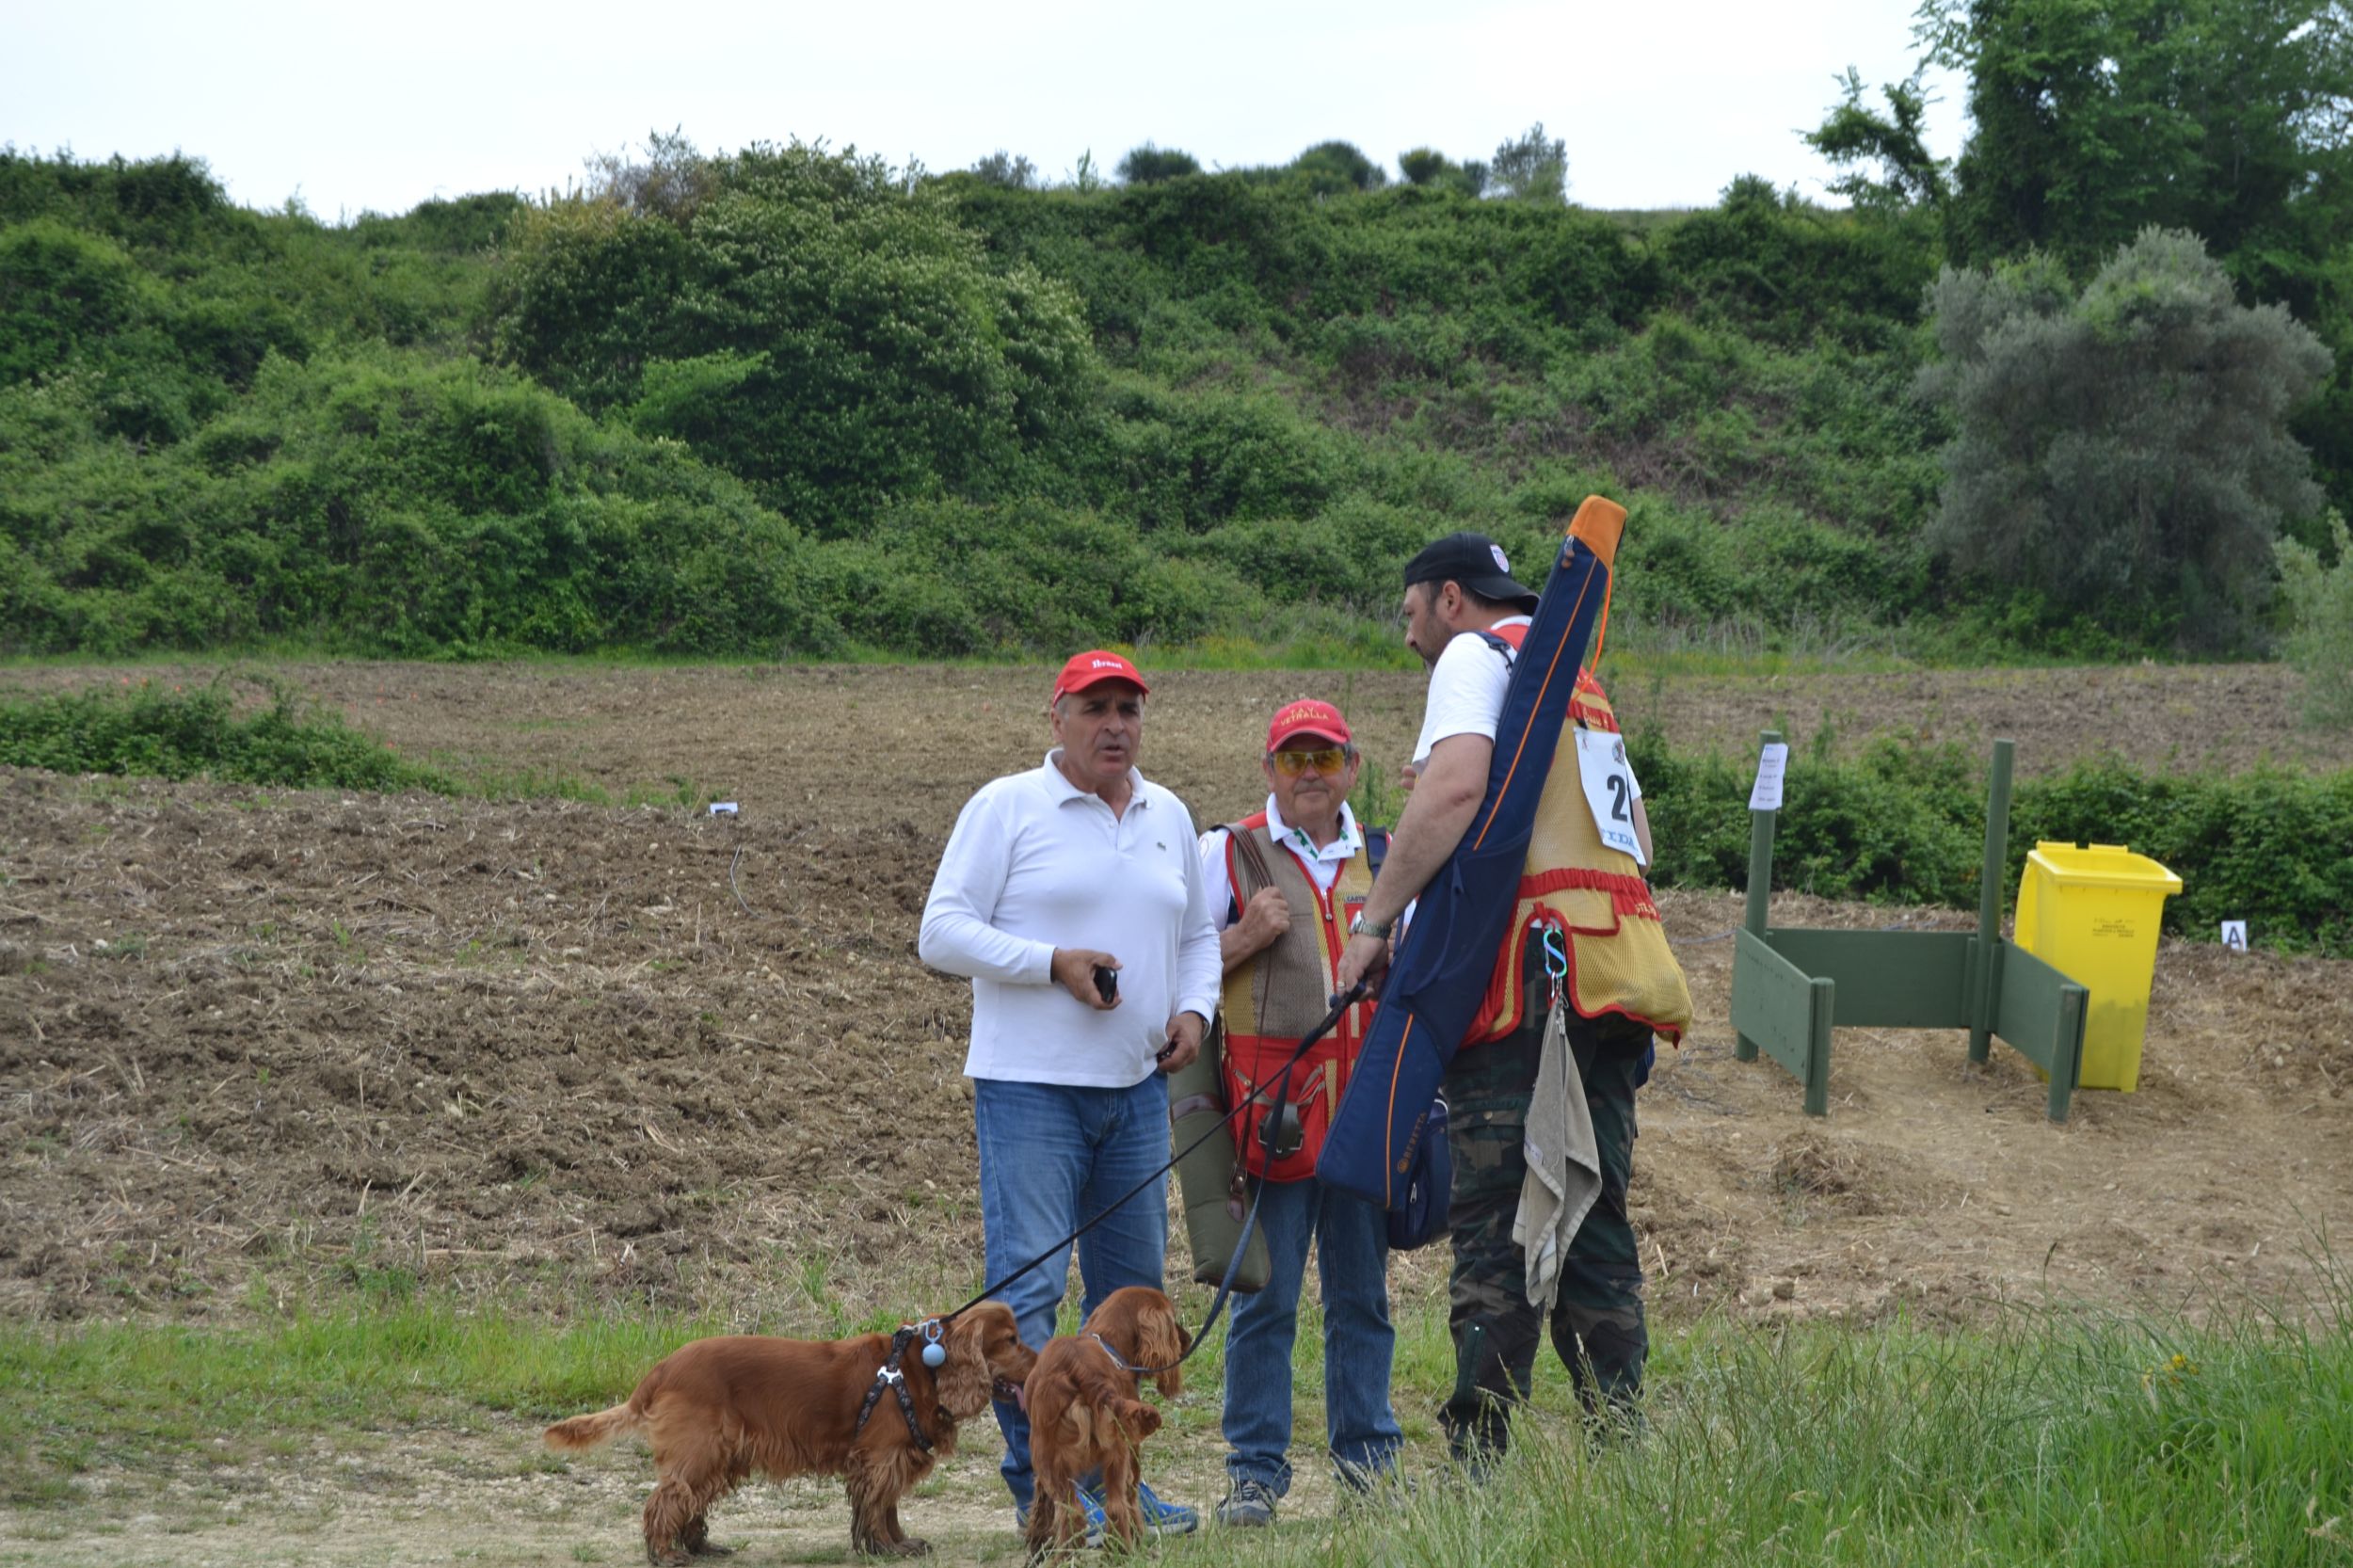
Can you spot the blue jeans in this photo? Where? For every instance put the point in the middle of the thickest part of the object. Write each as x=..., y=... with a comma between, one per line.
x=1052, y=1157
x=1352, y=1259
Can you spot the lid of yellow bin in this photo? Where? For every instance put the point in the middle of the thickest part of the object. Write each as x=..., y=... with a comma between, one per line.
x=2103, y=866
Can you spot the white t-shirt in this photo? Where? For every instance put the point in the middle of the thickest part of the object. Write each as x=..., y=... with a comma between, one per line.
x=1035, y=863
x=1466, y=690
x=1322, y=865
x=1467, y=686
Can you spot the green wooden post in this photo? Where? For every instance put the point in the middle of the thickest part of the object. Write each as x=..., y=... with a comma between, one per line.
x=1984, y=994
x=1821, y=1001
x=1760, y=893
x=2066, y=1050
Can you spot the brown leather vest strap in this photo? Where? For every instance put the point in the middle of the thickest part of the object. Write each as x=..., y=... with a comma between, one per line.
x=1246, y=845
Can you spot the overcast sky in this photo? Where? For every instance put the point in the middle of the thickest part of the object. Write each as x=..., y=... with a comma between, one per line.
x=379, y=107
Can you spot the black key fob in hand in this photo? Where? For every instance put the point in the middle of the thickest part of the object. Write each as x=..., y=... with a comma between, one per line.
x=1107, y=983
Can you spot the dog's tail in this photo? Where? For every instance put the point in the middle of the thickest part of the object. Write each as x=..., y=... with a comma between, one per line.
x=587, y=1431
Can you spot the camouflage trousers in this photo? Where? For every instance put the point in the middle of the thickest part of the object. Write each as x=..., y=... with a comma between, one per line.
x=1596, y=1325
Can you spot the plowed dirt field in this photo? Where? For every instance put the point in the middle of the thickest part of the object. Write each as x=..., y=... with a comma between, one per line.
x=255, y=1041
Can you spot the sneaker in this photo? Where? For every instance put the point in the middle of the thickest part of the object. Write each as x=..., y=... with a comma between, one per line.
x=1086, y=1500
x=1162, y=1518
x=1249, y=1503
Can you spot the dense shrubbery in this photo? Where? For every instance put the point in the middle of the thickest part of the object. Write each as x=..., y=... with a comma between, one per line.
x=1907, y=824
x=2320, y=624
x=151, y=731
x=786, y=400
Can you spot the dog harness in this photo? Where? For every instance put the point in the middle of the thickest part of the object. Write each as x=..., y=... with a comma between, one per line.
x=1117, y=1360
x=893, y=1376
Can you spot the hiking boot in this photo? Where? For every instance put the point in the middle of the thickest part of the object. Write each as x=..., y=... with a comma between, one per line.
x=1249, y=1503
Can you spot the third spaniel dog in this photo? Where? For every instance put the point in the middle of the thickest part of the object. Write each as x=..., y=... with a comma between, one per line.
x=1085, y=1412
x=716, y=1410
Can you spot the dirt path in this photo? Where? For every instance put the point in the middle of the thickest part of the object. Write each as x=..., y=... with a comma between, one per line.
x=486, y=1497
x=488, y=1494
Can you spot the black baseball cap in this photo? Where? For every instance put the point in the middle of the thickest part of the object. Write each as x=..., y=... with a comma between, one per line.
x=1476, y=561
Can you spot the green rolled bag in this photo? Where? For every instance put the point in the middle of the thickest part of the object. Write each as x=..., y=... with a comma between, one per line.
x=1208, y=1178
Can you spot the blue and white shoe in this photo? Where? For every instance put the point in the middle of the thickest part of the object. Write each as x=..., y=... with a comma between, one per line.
x=1163, y=1518
x=1095, y=1523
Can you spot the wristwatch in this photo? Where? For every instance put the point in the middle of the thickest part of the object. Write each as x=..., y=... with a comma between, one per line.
x=1363, y=927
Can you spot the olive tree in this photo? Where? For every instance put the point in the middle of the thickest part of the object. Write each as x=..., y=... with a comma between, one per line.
x=2123, y=452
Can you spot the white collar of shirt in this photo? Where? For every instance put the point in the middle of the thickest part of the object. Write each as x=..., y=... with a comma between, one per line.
x=1064, y=792
x=1343, y=847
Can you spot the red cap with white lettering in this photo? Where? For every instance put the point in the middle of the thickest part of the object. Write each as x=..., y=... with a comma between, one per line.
x=1092, y=668
x=1318, y=719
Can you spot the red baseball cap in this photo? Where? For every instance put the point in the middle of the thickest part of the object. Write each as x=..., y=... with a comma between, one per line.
x=1306, y=718
x=1092, y=668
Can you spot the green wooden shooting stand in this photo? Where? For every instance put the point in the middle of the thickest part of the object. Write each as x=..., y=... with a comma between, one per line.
x=1785, y=983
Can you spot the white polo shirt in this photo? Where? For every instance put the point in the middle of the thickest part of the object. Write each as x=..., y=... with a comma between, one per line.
x=1036, y=863
x=1321, y=864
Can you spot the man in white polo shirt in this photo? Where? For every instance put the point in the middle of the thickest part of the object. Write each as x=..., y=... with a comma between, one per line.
x=1072, y=895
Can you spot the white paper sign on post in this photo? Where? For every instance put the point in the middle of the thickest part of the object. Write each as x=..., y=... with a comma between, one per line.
x=2234, y=936
x=1609, y=790
x=1772, y=764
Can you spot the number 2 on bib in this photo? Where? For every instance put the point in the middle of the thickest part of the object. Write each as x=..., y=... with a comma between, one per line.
x=1609, y=790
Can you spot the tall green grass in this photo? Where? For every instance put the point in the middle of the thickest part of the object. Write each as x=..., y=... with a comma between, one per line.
x=2052, y=1434
x=2055, y=1434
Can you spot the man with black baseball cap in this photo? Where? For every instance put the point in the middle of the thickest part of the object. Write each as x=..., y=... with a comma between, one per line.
x=1581, y=887
x=1476, y=561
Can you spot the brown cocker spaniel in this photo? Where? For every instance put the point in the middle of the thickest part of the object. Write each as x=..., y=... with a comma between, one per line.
x=1086, y=1413
x=718, y=1410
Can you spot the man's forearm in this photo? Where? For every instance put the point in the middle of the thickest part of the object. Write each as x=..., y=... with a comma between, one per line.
x=1235, y=948
x=959, y=942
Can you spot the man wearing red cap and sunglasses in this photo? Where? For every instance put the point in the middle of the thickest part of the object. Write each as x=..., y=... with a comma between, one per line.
x=1283, y=886
x=1072, y=895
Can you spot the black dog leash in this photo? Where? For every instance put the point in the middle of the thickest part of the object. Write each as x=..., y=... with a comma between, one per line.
x=893, y=1376
x=1340, y=1005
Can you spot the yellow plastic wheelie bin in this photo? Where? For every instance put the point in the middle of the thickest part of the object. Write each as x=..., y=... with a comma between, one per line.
x=2092, y=912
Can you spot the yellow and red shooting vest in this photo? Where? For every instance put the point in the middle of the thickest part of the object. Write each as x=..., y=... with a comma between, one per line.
x=1285, y=991
x=1619, y=961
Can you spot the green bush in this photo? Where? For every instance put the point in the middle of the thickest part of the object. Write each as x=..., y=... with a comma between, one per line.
x=2320, y=624
x=152, y=731
x=809, y=325
x=1906, y=825
x=2124, y=450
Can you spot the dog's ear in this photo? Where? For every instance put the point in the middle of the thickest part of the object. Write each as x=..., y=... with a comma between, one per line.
x=962, y=1379
x=1171, y=1343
